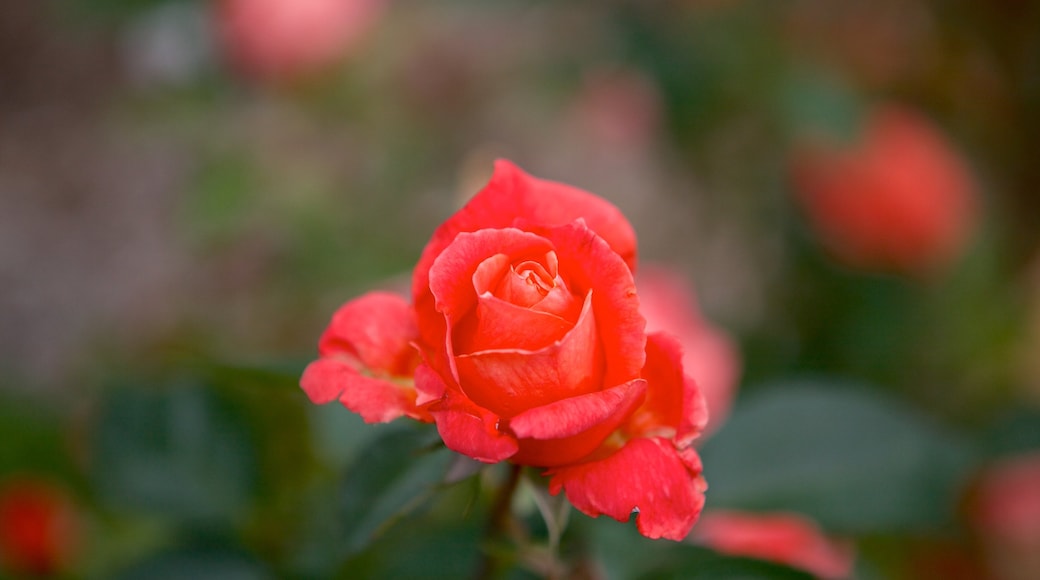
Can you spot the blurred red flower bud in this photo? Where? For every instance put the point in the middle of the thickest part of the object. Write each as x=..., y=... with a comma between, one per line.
x=281, y=40
x=899, y=200
x=1006, y=515
x=38, y=527
x=784, y=538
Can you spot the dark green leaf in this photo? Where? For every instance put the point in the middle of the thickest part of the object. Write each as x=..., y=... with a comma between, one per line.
x=394, y=475
x=850, y=458
x=179, y=452
x=199, y=564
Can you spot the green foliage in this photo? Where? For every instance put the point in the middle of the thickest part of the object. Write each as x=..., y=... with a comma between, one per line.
x=199, y=563
x=851, y=458
x=395, y=475
x=180, y=452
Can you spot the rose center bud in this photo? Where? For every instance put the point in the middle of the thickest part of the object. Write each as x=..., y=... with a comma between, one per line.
x=521, y=303
x=536, y=284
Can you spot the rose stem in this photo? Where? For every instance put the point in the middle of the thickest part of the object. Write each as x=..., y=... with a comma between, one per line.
x=500, y=514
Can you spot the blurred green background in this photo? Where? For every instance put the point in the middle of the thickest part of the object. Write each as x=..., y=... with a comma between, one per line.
x=176, y=231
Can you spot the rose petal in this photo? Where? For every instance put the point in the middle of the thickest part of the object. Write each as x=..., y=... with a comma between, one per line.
x=428, y=385
x=512, y=194
x=668, y=303
x=451, y=277
x=377, y=328
x=509, y=381
x=496, y=324
x=587, y=263
x=577, y=414
x=467, y=428
x=376, y=400
x=646, y=475
x=674, y=406
x=568, y=430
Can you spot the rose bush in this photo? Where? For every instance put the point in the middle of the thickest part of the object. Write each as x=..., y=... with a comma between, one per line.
x=525, y=343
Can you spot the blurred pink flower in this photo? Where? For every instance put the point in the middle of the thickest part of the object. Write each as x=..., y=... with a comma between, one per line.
x=280, y=40
x=669, y=304
x=1007, y=516
x=38, y=527
x=901, y=199
x=784, y=538
x=618, y=109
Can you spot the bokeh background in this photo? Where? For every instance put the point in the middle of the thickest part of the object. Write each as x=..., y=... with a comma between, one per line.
x=190, y=188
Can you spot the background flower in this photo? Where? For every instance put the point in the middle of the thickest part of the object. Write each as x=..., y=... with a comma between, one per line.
x=900, y=198
x=39, y=527
x=277, y=41
x=786, y=538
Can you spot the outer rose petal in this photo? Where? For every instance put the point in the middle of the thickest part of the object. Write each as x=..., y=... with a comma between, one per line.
x=649, y=475
x=708, y=354
x=513, y=194
x=569, y=430
x=376, y=328
x=674, y=405
x=465, y=427
x=783, y=538
x=376, y=400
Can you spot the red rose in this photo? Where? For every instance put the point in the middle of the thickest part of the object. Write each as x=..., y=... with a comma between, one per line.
x=901, y=199
x=38, y=527
x=534, y=351
x=788, y=539
x=279, y=40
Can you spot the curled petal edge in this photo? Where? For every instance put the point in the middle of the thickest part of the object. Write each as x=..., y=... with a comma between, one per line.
x=465, y=427
x=648, y=476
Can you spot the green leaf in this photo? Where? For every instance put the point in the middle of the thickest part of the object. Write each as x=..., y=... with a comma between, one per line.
x=34, y=439
x=180, y=452
x=855, y=461
x=1014, y=432
x=390, y=478
x=424, y=548
x=199, y=564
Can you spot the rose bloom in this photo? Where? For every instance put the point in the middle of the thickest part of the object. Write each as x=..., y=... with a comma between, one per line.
x=669, y=304
x=784, y=538
x=525, y=343
x=1006, y=516
x=38, y=531
x=901, y=199
x=280, y=40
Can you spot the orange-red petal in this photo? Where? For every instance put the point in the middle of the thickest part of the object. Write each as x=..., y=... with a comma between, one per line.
x=648, y=476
